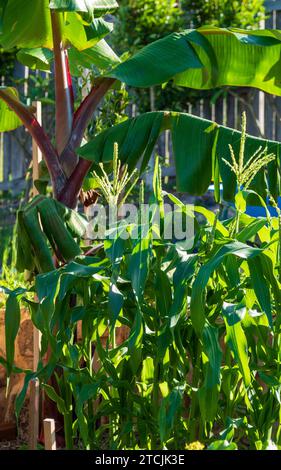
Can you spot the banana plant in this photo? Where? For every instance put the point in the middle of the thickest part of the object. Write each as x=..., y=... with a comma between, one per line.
x=71, y=33
x=67, y=35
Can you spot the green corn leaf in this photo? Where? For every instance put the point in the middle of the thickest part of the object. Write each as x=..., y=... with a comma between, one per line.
x=208, y=400
x=237, y=342
x=197, y=305
x=260, y=287
x=116, y=301
x=139, y=265
x=168, y=411
x=251, y=230
x=211, y=348
x=21, y=396
x=52, y=394
x=222, y=445
x=135, y=341
x=184, y=271
x=12, y=324
x=163, y=293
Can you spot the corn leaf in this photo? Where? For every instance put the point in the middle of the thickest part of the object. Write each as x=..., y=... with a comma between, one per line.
x=238, y=344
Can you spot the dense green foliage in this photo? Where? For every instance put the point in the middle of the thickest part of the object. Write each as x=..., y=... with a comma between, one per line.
x=202, y=356
x=225, y=13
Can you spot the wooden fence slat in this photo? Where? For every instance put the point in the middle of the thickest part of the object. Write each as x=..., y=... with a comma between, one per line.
x=269, y=113
x=219, y=111
x=272, y=5
x=231, y=110
x=278, y=98
x=207, y=109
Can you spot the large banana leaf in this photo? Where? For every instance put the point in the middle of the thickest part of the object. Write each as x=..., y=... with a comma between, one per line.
x=197, y=144
x=101, y=56
x=97, y=7
x=207, y=58
x=27, y=24
x=8, y=119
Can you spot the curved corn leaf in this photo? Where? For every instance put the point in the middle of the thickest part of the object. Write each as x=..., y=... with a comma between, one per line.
x=196, y=142
x=208, y=400
x=197, y=304
x=260, y=287
x=237, y=341
x=139, y=265
x=211, y=347
x=168, y=411
x=52, y=394
x=12, y=324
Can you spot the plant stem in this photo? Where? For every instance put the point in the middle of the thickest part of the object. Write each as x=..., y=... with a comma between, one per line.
x=32, y=125
x=90, y=402
x=72, y=188
x=68, y=416
x=68, y=430
x=155, y=401
x=64, y=91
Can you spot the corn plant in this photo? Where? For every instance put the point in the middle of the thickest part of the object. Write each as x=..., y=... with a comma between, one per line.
x=201, y=361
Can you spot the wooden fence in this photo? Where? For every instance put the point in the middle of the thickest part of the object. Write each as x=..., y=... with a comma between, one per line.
x=263, y=118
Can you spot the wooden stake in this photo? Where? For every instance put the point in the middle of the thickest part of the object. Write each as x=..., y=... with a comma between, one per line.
x=36, y=159
x=50, y=434
x=36, y=152
x=33, y=414
x=34, y=384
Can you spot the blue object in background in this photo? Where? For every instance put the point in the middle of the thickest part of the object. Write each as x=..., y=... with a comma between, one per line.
x=255, y=211
x=259, y=211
